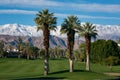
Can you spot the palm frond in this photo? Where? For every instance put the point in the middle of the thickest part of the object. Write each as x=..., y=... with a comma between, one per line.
x=39, y=27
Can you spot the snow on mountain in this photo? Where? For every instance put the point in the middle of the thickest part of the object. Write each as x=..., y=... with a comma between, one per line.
x=108, y=31
x=19, y=30
x=104, y=31
x=9, y=33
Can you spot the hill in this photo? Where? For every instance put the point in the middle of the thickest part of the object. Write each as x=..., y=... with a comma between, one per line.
x=33, y=41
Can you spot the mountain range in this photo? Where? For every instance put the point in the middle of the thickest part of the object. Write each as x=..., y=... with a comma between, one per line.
x=104, y=31
x=10, y=32
x=108, y=31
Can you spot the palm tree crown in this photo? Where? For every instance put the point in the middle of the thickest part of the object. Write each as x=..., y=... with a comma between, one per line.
x=88, y=29
x=70, y=24
x=45, y=18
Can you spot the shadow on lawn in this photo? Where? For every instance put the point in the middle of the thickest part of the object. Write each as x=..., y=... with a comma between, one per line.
x=55, y=78
x=42, y=78
x=46, y=77
x=50, y=78
x=59, y=72
x=114, y=79
x=66, y=71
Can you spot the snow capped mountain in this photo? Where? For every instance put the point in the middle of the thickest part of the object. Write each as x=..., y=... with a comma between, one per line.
x=104, y=31
x=19, y=30
x=108, y=31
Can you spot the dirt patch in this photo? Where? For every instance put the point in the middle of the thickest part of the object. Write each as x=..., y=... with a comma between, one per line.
x=113, y=74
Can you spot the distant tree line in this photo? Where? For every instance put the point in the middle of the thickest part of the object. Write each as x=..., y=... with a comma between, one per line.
x=25, y=50
x=101, y=50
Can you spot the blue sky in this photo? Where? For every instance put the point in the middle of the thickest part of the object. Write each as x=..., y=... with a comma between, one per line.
x=94, y=11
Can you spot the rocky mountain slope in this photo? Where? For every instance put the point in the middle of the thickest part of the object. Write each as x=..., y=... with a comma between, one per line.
x=33, y=41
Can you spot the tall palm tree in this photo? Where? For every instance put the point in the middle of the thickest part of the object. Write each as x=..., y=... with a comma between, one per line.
x=69, y=26
x=88, y=30
x=46, y=21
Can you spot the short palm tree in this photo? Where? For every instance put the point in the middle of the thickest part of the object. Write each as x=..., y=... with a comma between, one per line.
x=19, y=46
x=46, y=22
x=1, y=48
x=69, y=26
x=88, y=30
x=27, y=50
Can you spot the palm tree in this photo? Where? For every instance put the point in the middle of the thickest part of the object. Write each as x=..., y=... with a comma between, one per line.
x=46, y=21
x=19, y=46
x=1, y=48
x=69, y=26
x=27, y=50
x=88, y=30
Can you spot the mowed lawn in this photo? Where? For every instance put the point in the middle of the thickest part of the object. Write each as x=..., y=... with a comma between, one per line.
x=22, y=69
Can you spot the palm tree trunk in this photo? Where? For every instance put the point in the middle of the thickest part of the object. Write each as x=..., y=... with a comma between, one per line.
x=46, y=67
x=71, y=65
x=87, y=38
x=28, y=57
x=88, y=62
x=46, y=34
x=46, y=62
x=19, y=55
x=70, y=46
x=71, y=57
x=110, y=67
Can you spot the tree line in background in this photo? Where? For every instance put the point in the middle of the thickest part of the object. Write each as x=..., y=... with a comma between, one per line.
x=25, y=50
x=100, y=51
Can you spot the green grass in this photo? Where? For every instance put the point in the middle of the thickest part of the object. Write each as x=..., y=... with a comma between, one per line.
x=21, y=69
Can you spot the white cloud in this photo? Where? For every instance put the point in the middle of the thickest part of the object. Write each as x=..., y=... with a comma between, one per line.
x=112, y=8
x=91, y=7
x=61, y=15
x=31, y=2
x=15, y=11
x=87, y=16
x=97, y=17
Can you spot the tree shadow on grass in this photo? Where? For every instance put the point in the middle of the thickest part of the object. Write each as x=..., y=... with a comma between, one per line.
x=42, y=78
x=115, y=79
x=77, y=70
x=47, y=77
x=51, y=78
x=66, y=71
x=59, y=72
